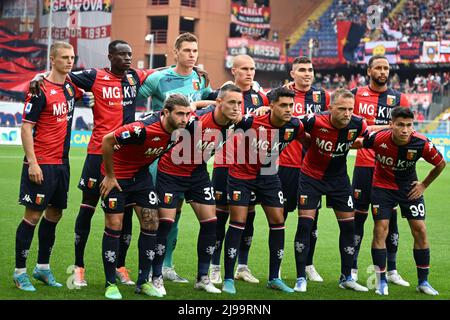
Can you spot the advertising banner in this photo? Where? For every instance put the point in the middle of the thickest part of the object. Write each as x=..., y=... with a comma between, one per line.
x=267, y=54
x=249, y=21
x=86, y=24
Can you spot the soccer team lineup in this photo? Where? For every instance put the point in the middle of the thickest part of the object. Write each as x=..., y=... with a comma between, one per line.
x=238, y=159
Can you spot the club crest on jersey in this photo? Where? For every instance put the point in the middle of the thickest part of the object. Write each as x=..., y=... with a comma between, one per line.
x=303, y=200
x=375, y=209
x=125, y=135
x=112, y=203
x=357, y=193
x=91, y=183
x=255, y=99
x=39, y=198
x=28, y=107
x=411, y=154
x=69, y=90
x=236, y=195
x=196, y=84
x=131, y=80
x=351, y=135
x=288, y=134
x=391, y=100
x=168, y=197
x=218, y=195
x=317, y=97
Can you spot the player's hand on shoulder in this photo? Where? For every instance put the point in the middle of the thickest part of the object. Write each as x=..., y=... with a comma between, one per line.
x=417, y=190
x=358, y=144
x=238, y=118
x=88, y=99
x=261, y=111
x=289, y=85
x=36, y=83
x=107, y=184
x=35, y=173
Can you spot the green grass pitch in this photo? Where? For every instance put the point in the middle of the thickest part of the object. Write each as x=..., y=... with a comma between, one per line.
x=326, y=260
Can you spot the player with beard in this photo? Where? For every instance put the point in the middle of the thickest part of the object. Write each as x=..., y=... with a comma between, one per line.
x=374, y=103
x=114, y=92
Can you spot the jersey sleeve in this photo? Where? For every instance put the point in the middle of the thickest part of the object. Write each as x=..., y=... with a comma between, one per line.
x=265, y=100
x=246, y=123
x=143, y=74
x=133, y=133
x=213, y=95
x=206, y=91
x=369, y=140
x=327, y=100
x=33, y=108
x=308, y=122
x=84, y=79
x=431, y=154
x=78, y=92
x=150, y=85
x=364, y=130
x=301, y=130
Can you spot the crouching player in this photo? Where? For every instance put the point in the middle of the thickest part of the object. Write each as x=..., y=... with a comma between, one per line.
x=395, y=183
x=268, y=135
x=128, y=182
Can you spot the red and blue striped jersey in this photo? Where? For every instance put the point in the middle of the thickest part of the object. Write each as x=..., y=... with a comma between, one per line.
x=258, y=148
x=326, y=157
x=375, y=107
x=309, y=102
x=51, y=113
x=201, y=138
x=251, y=100
x=142, y=142
x=395, y=166
x=115, y=99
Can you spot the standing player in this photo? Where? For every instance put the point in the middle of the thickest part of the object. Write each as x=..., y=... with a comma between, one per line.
x=395, y=183
x=253, y=97
x=324, y=172
x=267, y=135
x=179, y=79
x=128, y=182
x=115, y=92
x=307, y=100
x=374, y=103
x=183, y=172
x=47, y=123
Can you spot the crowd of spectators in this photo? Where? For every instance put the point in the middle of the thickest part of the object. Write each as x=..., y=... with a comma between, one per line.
x=419, y=20
x=433, y=82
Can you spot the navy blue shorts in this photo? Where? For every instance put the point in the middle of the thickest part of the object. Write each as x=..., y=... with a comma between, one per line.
x=138, y=191
x=219, y=182
x=265, y=189
x=53, y=190
x=196, y=188
x=91, y=175
x=338, y=193
x=362, y=187
x=289, y=181
x=384, y=200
